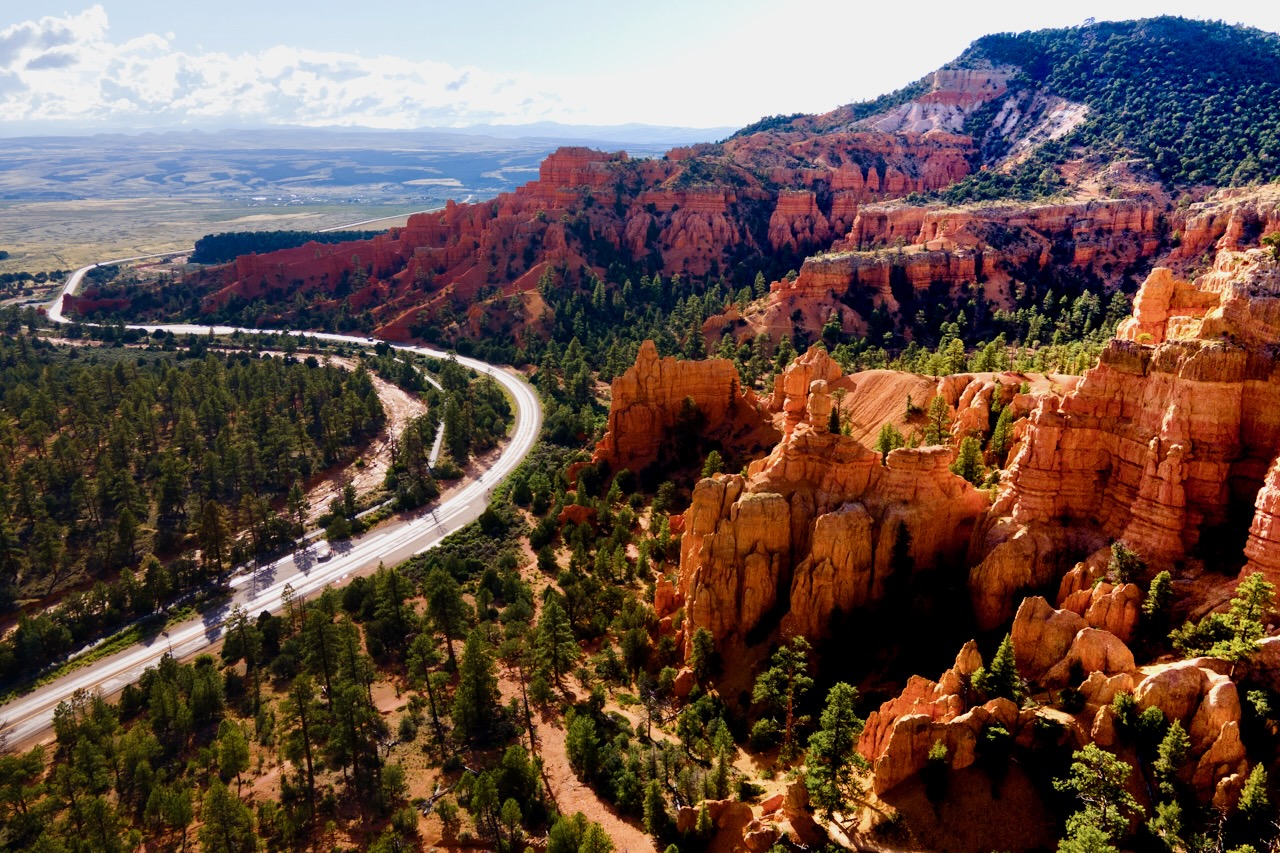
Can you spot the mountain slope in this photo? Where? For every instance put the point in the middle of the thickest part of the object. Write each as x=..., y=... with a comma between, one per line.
x=1198, y=99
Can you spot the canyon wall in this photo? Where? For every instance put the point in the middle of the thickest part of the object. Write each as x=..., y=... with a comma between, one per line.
x=895, y=254
x=1166, y=443
x=693, y=213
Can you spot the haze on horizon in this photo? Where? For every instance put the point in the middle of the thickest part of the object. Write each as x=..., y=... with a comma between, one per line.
x=148, y=65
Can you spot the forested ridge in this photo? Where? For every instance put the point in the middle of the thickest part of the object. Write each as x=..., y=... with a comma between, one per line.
x=227, y=246
x=1199, y=100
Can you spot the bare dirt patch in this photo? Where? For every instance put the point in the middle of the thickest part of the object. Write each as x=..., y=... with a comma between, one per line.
x=401, y=408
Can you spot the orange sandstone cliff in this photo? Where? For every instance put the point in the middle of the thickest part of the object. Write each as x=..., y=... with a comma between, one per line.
x=650, y=397
x=818, y=526
x=1167, y=443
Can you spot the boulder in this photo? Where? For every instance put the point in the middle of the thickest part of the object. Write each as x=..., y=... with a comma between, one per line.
x=1092, y=650
x=1042, y=636
x=1175, y=689
x=772, y=804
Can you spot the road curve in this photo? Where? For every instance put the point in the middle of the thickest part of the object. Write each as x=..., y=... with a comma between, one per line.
x=31, y=716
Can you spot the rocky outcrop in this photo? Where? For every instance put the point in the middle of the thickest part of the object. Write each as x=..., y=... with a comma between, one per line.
x=896, y=254
x=1166, y=306
x=797, y=222
x=1263, y=546
x=790, y=395
x=654, y=393
x=1114, y=608
x=1230, y=219
x=819, y=525
x=1208, y=706
x=1161, y=446
x=897, y=737
x=1056, y=648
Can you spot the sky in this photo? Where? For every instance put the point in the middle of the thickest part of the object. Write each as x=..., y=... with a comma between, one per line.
x=401, y=64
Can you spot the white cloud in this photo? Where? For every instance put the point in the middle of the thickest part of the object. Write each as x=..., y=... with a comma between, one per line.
x=68, y=70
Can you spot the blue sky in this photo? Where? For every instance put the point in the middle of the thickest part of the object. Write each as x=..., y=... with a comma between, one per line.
x=147, y=64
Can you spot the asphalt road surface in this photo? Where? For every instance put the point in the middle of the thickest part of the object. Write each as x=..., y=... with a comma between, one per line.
x=30, y=717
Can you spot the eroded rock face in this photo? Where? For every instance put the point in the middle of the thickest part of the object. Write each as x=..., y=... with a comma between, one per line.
x=819, y=525
x=696, y=211
x=1161, y=446
x=895, y=254
x=1208, y=706
x=1055, y=648
x=898, y=736
x=651, y=396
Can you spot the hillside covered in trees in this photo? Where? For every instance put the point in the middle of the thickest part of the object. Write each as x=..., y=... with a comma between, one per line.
x=1197, y=100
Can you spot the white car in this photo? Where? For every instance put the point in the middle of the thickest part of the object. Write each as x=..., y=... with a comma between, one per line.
x=322, y=552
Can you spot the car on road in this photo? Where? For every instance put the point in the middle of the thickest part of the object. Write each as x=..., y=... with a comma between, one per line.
x=322, y=552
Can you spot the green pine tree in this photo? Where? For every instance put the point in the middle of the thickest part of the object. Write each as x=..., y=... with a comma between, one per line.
x=1001, y=679
x=475, y=704
x=968, y=462
x=888, y=440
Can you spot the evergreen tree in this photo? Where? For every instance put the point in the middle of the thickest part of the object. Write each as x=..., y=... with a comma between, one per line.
x=445, y=608
x=888, y=440
x=1171, y=754
x=1159, y=597
x=1125, y=566
x=227, y=822
x=1256, y=814
x=1001, y=679
x=233, y=752
x=1232, y=636
x=1098, y=780
x=475, y=704
x=968, y=462
x=1001, y=435
x=595, y=840
x=781, y=687
x=655, y=810
x=938, y=426
x=300, y=710
x=834, y=767
x=554, y=642
x=702, y=655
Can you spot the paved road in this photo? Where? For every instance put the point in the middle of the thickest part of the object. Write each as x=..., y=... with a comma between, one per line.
x=31, y=716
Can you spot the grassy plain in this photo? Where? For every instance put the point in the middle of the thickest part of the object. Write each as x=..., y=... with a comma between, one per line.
x=48, y=235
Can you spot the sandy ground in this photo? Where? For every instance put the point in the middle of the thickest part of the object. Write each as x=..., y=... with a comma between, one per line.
x=401, y=408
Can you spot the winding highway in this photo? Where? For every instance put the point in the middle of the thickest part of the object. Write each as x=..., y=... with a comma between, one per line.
x=306, y=572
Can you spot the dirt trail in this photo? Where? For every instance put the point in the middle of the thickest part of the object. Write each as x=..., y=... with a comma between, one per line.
x=571, y=795
x=401, y=407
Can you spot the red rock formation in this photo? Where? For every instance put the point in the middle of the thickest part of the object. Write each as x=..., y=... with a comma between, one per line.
x=1231, y=219
x=813, y=527
x=895, y=251
x=1050, y=645
x=797, y=223
x=898, y=736
x=1159, y=446
x=90, y=301
x=1263, y=546
x=697, y=210
x=650, y=397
